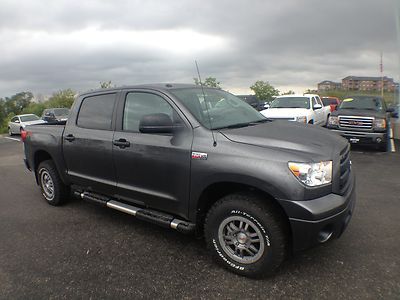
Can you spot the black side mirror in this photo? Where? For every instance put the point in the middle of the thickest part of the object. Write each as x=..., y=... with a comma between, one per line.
x=156, y=123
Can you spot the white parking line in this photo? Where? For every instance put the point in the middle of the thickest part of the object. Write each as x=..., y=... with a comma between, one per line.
x=10, y=138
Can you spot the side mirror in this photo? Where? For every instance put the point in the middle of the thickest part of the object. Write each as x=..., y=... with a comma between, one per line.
x=156, y=123
x=317, y=106
x=266, y=106
x=16, y=121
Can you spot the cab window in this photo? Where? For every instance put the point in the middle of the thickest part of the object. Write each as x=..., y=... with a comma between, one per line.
x=139, y=104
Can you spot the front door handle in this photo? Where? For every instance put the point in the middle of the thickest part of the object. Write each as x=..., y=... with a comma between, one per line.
x=69, y=137
x=122, y=143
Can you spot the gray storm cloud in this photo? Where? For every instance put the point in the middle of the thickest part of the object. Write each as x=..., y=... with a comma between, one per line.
x=52, y=45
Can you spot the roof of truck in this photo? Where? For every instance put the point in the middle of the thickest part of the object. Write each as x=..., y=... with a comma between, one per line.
x=155, y=86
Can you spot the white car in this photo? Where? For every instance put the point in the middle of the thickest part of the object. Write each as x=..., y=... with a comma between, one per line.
x=19, y=122
x=307, y=108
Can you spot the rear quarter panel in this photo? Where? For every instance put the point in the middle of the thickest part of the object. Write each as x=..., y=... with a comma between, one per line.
x=46, y=139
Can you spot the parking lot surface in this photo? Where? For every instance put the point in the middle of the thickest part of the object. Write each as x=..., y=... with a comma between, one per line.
x=81, y=250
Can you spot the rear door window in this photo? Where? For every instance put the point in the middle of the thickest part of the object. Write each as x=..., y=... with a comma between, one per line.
x=96, y=112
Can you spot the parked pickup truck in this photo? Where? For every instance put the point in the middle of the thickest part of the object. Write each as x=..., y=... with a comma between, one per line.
x=362, y=120
x=200, y=161
x=307, y=108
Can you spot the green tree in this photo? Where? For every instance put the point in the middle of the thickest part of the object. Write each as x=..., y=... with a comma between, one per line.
x=289, y=92
x=105, y=84
x=209, y=82
x=34, y=108
x=264, y=91
x=63, y=98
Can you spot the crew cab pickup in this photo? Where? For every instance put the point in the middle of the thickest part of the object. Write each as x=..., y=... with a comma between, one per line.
x=307, y=108
x=202, y=161
x=362, y=120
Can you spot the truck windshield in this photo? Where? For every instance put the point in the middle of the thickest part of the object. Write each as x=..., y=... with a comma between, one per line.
x=362, y=102
x=217, y=109
x=29, y=118
x=291, y=102
x=61, y=111
x=328, y=101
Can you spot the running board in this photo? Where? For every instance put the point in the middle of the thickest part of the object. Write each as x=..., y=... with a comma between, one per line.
x=149, y=215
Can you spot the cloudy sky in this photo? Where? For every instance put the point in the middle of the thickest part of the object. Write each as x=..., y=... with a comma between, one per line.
x=49, y=45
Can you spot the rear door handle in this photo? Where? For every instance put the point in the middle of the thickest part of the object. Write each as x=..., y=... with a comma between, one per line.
x=69, y=137
x=122, y=143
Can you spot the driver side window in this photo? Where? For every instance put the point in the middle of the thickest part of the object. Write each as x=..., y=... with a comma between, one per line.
x=314, y=101
x=139, y=104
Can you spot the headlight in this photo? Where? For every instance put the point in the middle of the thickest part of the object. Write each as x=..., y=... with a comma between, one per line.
x=334, y=121
x=302, y=119
x=312, y=174
x=380, y=123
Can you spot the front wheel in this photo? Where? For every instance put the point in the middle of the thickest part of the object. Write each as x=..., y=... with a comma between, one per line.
x=53, y=189
x=246, y=235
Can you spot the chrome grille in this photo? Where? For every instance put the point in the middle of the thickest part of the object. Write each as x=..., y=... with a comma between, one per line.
x=354, y=122
x=345, y=169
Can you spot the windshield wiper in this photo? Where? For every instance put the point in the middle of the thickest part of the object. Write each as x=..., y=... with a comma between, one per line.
x=261, y=121
x=239, y=125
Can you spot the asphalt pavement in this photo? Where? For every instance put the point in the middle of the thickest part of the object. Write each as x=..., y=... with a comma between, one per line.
x=81, y=250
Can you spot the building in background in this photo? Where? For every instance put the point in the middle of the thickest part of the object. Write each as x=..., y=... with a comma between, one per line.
x=328, y=85
x=364, y=83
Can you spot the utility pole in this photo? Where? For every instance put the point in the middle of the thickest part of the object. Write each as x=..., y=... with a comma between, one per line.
x=381, y=66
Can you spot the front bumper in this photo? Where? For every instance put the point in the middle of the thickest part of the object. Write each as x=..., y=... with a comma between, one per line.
x=360, y=137
x=316, y=221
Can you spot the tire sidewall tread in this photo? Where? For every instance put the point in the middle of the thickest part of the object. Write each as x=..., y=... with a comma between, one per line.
x=61, y=191
x=267, y=219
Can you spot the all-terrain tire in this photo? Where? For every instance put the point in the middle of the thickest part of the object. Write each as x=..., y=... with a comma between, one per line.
x=54, y=191
x=246, y=234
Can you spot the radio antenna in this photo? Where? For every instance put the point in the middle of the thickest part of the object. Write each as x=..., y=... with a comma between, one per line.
x=205, y=101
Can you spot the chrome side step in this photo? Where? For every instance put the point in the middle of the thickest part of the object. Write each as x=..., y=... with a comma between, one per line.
x=128, y=209
x=149, y=215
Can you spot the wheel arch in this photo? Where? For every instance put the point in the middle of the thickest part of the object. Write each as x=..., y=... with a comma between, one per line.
x=39, y=157
x=215, y=191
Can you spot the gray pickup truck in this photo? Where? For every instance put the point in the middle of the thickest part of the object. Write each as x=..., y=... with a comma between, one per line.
x=202, y=161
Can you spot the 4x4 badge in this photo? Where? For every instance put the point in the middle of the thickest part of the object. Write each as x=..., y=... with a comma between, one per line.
x=199, y=155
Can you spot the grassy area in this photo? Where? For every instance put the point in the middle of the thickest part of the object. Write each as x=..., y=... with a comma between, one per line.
x=389, y=97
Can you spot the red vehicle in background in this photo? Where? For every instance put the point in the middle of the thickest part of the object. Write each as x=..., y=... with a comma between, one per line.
x=332, y=101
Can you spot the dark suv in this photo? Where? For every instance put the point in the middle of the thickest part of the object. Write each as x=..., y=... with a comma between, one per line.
x=55, y=114
x=363, y=120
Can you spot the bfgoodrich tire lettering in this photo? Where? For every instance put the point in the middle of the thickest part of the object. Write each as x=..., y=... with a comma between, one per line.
x=53, y=189
x=246, y=234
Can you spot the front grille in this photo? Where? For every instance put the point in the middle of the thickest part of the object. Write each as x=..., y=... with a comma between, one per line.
x=354, y=122
x=345, y=169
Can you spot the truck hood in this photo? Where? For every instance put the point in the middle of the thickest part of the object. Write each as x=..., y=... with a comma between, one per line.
x=282, y=135
x=284, y=112
x=359, y=112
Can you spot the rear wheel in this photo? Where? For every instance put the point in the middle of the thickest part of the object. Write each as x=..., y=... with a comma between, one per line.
x=246, y=235
x=53, y=189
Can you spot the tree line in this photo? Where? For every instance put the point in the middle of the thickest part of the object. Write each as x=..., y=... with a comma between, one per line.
x=23, y=102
